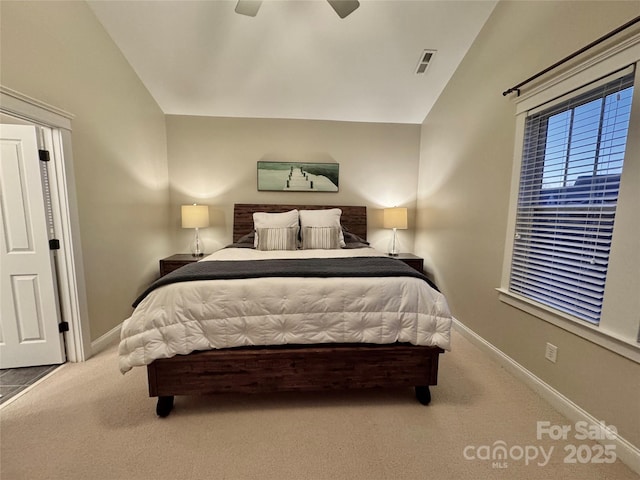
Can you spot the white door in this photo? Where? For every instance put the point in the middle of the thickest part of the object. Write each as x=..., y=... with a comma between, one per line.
x=29, y=333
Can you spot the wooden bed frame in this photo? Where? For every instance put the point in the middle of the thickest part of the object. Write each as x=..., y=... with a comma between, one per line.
x=294, y=367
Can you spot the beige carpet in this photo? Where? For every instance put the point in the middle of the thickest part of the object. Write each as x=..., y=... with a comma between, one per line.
x=86, y=421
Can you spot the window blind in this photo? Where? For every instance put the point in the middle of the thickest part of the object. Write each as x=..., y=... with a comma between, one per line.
x=572, y=160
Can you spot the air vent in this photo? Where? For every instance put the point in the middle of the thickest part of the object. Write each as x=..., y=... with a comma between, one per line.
x=425, y=60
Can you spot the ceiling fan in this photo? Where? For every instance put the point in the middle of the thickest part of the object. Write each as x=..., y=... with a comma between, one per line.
x=342, y=7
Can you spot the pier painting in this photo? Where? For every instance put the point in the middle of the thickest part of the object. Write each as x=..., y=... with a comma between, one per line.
x=298, y=177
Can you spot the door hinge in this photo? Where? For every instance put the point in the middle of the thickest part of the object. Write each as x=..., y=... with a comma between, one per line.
x=63, y=327
x=54, y=244
x=44, y=155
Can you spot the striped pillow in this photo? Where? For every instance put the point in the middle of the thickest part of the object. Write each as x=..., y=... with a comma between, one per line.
x=321, y=237
x=277, y=238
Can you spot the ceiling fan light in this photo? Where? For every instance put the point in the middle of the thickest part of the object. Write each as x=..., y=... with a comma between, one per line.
x=248, y=7
x=344, y=7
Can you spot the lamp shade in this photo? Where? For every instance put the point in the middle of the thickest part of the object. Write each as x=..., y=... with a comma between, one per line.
x=195, y=216
x=395, y=218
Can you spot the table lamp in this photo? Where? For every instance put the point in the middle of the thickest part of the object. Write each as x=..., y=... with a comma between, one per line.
x=395, y=218
x=195, y=216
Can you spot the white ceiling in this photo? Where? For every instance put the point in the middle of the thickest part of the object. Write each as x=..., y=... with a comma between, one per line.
x=296, y=58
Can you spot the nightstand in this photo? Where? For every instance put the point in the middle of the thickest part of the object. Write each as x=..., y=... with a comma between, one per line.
x=412, y=260
x=176, y=261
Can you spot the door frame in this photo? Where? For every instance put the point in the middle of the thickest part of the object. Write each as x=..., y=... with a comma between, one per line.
x=71, y=282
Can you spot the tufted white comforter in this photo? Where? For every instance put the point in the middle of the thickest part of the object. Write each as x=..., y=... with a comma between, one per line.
x=201, y=315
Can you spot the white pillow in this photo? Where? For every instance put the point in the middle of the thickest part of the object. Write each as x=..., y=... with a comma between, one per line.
x=274, y=220
x=278, y=238
x=322, y=218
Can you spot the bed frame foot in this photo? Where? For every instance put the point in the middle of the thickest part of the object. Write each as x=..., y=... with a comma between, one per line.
x=423, y=394
x=164, y=406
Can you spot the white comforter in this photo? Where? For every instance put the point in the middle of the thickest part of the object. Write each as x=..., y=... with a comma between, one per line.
x=184, y=317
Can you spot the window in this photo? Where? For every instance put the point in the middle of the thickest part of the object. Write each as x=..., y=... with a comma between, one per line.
x=571, y=253
x=572, y=159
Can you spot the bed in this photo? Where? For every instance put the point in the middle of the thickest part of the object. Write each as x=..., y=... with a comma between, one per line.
x=291, y=328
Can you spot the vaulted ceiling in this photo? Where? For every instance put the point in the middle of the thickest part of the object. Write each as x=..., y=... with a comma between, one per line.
x=295, y=59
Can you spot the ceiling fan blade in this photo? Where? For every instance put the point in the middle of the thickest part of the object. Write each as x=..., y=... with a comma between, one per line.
x=344, y=7
x=248, y=7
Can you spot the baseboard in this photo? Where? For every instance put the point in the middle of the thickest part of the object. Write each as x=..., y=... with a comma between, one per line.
x=106, y=340
x=628, y=453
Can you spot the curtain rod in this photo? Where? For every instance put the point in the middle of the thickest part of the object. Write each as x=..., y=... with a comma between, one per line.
x=516, y=88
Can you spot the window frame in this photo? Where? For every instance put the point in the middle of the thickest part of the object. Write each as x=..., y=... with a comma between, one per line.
x=616, y=331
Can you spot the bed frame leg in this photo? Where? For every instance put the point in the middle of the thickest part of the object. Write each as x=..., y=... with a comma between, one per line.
x=423, y=394
x=164, y=406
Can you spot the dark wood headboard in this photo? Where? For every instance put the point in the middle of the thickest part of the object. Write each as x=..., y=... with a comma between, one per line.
x=354, y=218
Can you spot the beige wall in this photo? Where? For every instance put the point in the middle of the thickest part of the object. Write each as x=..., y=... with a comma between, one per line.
x=463, y=198
x=214, y=161
x=57, y=52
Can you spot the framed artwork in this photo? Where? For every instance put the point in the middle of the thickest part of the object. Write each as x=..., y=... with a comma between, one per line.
x=298, y=177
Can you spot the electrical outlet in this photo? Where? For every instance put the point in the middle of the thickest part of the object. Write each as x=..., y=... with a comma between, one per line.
x=551, y=352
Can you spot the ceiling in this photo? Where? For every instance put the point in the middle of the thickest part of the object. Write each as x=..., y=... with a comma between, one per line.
x=295, y=59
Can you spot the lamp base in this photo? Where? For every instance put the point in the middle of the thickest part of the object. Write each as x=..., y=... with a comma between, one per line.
x=197, y=249
x=393, y=251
